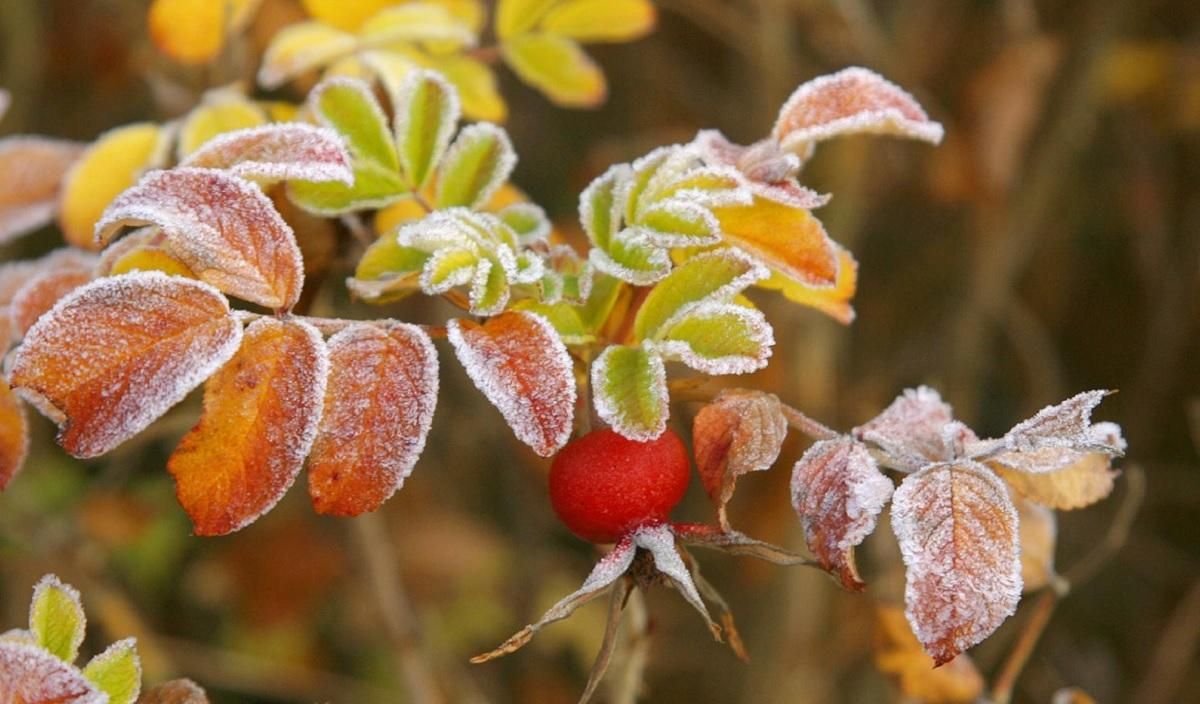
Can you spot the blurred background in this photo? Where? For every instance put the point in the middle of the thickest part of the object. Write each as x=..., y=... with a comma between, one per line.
x=1050, y=245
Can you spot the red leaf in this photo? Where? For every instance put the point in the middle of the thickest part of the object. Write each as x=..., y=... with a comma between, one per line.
x=838, y=492
x=739, y=432
x=30, y=675
x=114, y=355
x=260, y=417
x=958, y=535
x=851, y=101
x=222, y=227
x=378, y=408
x=278, y=152
x=31, y=169
x=14, y=434
x=519, y=363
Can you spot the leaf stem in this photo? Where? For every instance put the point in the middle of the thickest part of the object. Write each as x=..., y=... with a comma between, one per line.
x=808, y=426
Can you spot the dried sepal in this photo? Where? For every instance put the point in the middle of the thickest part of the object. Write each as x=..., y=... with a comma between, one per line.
x=630, y=391
x=732, y=542
x=912, y=430
x=838, y=492
x=31, y=171
x=851, y=101
x=114, y=355
x=278, y=152
x=616, y=605
x=659, y=541
x=959, y=540
x=260, y=417
x=379, y=406
x=608, y=570
x=222, y=227
x=741, y=431
x=31, y=675
x=521, y=365
x=14, y=434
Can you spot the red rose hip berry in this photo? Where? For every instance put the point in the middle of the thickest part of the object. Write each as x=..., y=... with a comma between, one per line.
x=603, y=486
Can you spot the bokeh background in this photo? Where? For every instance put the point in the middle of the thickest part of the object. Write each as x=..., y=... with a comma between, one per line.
x=1050, y=245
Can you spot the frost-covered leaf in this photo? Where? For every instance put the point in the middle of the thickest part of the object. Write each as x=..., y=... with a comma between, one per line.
x=769, y=171
x=564, y=317
x=427, y=111
x=278, y=152
x=30, y=675
x=600, y=20
x=387, y=271
x=631, y=258
x=838, y=493
x=1064, y=425
x=31, y=170
x=609, y=569
x=789, y=240
x=898, y=655
x=14, y=434
x=220, y=111
x=349, y=108
x=261, y=412
x=302, y=47
x=521, y=365
x=181, y=691
x=114, y=355
x=528, y=220
x=602, y=204
x=222, y=227
x=478, y=162
x=117, y=672
x=41, y=292
x=851, y=101
x=913, y=429
x=732, y=542
x=556, y=66
x=712, y=276
x=741, y=431
x=630, y=388
x=110, y=165
x=193, y=31
x=1038, y=535
x=659, y=541
x=56, y=618
x=1082, y=481
x=679, y=223
x=378, y=409
x=833, y=301
x=959, y=539
x=716, y=338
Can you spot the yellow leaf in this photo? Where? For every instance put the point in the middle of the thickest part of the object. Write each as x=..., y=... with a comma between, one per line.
x=221, y=111
x=898, y=654
x=112, y=164
x=516, y=16
x=302, y=47
x=1077, y=485
x=601, y=20
x=469, y=12
x=346, y=15
x=150, y=258
x=789, y=240
x=558, y=67
x=833, y=301
x=476, y=84
x=193, y=31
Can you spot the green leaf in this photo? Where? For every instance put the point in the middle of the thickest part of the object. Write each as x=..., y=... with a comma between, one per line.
x=529, y=221
x=630, y=387
x=600, y=205
x=117, y=672
x=631, y=258
x=56, y=618
x=606, y=290
x=387, y=271
x=558, y=67
x=373, y=188
x=680, y=224
x=563, y=316
x=644, y=170
x=717, y=338
x=427, y=111
x=479, y=162
x=712, y=275
x=489, y=289
x=447, y=268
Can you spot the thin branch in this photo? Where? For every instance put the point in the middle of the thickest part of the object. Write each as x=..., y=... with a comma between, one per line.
x=1031, y=633
x=1118, y=530
x=808, y=426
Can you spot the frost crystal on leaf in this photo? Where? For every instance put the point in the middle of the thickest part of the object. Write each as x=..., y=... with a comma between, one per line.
x=766, y=170
x=1065, y=425
x=630, y=387
x=476, y=164
x=959, y=539
x=114, y=355
x=56, y=619
x=522, y=366
x=660, y=542
x=278, y=152
x=838, y=492
x=716, y=338
x=739, y=432
x=41, y=292
x=913, y=429
x=31, y=675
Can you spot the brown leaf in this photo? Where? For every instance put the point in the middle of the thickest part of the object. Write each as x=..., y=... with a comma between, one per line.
x=14, y=434
x=115, y=354
x=31, y=169
x=182, y=691
x=522, y=366
x=1081, y=483
x=378, y=409
x=31, y=675
x=260, y=417
x=898, y=654
x=958, y=537
x=838, y=492
x=740, y=431
x=222, y=227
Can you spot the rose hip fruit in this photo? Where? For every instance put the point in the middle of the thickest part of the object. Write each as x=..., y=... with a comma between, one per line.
x=603, y=486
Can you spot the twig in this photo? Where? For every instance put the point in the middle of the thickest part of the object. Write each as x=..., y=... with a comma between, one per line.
x=370, y=532
x=1118, y=531
x=1031, y=633
x=810, y=427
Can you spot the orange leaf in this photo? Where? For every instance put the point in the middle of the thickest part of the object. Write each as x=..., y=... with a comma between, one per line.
x=278, y=152
x=14, y=434
x=958, y=536
x=838, y=492
x=114, y=355
x=31, y=170
x=260, y=417
x=40, y=294
x=787, y=239
x=835, y=301
x=740, y=431
x=851, y=101
x=378, y=408
x=522, y=366
x=31, y=675
x=222, y=227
